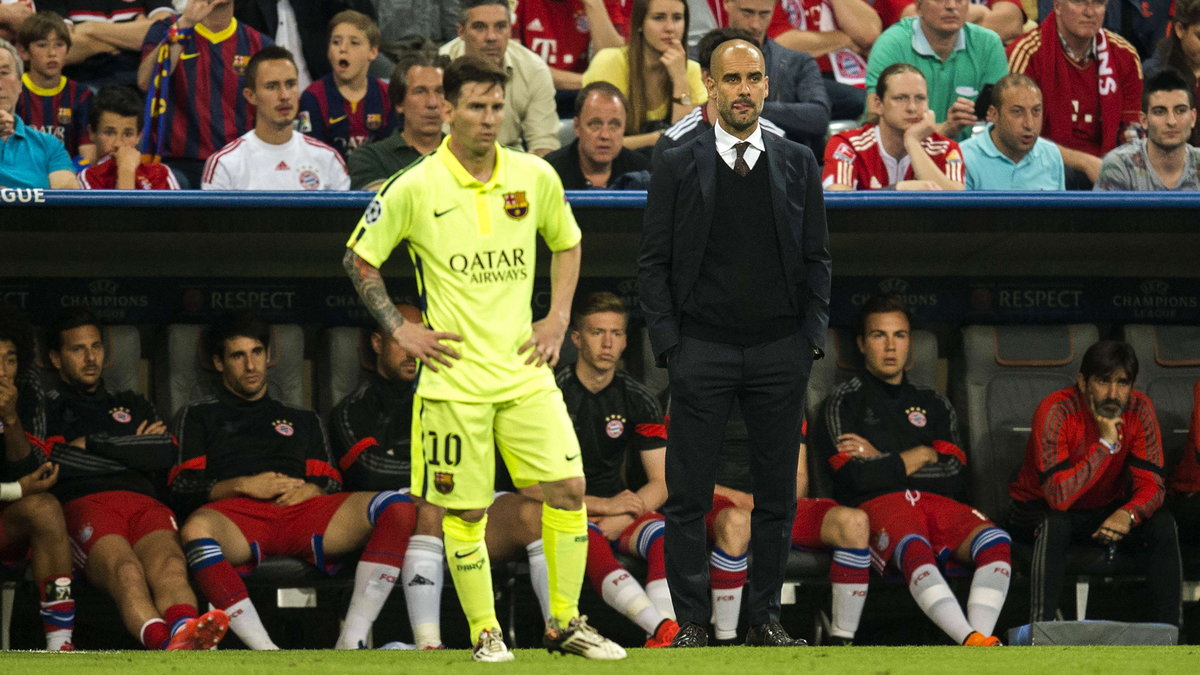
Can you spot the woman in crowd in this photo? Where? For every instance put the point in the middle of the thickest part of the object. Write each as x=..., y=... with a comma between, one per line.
x=653, y=70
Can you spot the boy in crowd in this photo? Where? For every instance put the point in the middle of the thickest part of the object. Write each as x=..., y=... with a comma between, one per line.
x=49, y=101
x=348, y=108
x=116, y=126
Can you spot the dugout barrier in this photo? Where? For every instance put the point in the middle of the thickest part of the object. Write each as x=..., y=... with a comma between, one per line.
x=183, y=257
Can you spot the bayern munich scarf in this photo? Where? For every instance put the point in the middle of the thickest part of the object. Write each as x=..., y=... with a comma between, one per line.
x=1056, y=69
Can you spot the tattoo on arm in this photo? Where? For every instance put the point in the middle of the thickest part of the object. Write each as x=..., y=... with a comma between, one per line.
x=369, y=283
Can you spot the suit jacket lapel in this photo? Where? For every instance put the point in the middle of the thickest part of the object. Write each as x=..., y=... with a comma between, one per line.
x=788, y=240
x=705, y=154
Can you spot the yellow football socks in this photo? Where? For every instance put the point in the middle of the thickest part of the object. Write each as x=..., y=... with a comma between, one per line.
x=564, y=540
x=471, y=570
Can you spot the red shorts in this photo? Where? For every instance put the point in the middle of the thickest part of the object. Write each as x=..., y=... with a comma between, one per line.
x=720, y=503
x=900, y=516
x=806, y=528
x=297, y=531
x=127, y=514
x=810, y=515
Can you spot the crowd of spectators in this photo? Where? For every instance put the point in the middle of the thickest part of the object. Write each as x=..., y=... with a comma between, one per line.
x=368, y=85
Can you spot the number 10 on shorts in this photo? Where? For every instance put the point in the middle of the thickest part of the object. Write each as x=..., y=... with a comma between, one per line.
x=447, y=451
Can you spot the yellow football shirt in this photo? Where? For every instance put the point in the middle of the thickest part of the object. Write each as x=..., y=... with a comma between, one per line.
x=473, y=246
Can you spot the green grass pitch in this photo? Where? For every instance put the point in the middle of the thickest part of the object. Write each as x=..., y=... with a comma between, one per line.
x=716, y=660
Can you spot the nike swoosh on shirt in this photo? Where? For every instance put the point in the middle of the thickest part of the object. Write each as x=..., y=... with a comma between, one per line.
x=439, y=214
x=335, y=120
x=189, y=56
x=464, y=555
x=570, y=458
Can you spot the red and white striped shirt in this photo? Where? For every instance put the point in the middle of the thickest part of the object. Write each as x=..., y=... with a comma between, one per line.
x=857, y=158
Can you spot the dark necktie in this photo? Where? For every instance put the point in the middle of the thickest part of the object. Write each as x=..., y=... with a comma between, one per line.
x=739, y=165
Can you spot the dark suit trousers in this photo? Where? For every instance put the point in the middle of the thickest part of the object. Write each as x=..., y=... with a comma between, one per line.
x=769, y=381
x=1155, y=538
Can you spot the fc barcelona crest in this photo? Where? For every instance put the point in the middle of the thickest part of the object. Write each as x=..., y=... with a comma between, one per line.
x=443, y=482
x=240, y=61
x=515, y=205
x=64, y=115
x=374, y=121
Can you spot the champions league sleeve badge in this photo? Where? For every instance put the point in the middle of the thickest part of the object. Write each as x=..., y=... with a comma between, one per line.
x=373, y=212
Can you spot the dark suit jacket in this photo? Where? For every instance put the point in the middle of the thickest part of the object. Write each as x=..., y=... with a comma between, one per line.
x=797, y=100
x=678, y=218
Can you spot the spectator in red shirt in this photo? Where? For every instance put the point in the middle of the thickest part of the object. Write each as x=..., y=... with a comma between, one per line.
x=116, y=126
x=838, y=34
x=1092, y=81
x=564, y=32
x=902, y=151
x=1093, y=475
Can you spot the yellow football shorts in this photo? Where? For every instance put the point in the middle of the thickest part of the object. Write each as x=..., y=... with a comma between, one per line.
x=454, y=463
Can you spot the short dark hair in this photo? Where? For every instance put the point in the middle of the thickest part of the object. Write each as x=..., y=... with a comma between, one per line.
x=39, y=27
x=605, y=88
x=1167, y=79
x=272, y=53
x=118, y=99
x=882, y=304
x=714, y=38
x=1011, y=81
x=423, y=55
x=467, y=5
x=597, y=303
x=470, y=69
x=73, y=317
x=235, y=324
x=1107, y=357
x=15, y=328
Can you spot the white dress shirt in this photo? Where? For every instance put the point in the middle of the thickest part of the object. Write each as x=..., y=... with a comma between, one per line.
x=726, y=141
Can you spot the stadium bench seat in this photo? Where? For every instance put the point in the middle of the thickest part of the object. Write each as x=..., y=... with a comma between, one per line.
x=1168, y=367
x=343, y=363
x=184, y=372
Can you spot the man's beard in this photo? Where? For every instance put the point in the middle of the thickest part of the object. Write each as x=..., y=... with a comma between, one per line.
x=1110, y=408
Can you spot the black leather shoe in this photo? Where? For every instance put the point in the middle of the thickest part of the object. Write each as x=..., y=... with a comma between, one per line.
x=690, y=635
x=771, y=634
